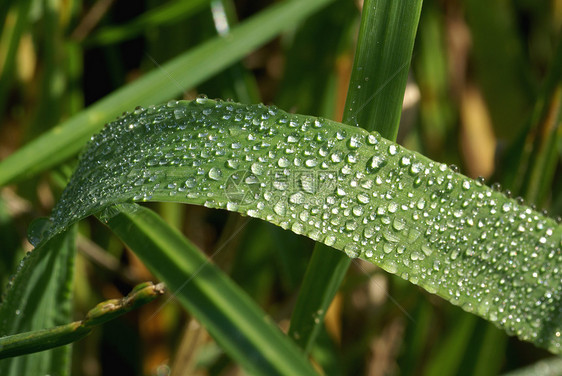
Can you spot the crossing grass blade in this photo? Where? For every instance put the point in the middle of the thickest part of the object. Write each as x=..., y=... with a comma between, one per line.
x=11, y=35
x=233, y=319
x=165, y=14
x=182, y=73
x=339, y=185
x=374, y=102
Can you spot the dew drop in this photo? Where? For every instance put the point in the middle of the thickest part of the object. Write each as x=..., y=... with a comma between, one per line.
x=354, y=142
x=280, y=208
x=297, y=198
x=363, y=198
x=283, y=162
x=330, y=240
x=372, y=139
x=215, y=173
x=375, y=164
x=257, y=168
x=190, y=183
x=398, y=224
x=351, y=250
x=426, y=249
x=405, y=161
x=37, y=230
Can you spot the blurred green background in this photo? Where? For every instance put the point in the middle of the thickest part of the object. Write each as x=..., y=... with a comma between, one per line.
x=484, y=93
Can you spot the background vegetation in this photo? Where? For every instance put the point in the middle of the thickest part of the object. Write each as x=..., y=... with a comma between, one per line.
x=484, y=93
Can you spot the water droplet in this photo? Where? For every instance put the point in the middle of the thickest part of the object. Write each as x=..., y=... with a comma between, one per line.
x=405, y=161
x=351, y=250
x=215, y=173
x=201, y=98
x=330, y=240
x=372, y=139
x=283, y=162
x=310, y=163
x=257, y=168
x=354, y=142
x=426, y=249
x=280, y=208
x=190, y=183
x=37, y=230
x=398, y=224
x=375, y=164
x=297, y=198
x=363, y=198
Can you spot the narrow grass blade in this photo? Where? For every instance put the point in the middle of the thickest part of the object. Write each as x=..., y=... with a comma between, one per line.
x=39, y=297
x=381, y=66
x=168, y=13
x=310, y=86
x=40, y=340
x=374, y=102
x=322, y=280
x=9, y=57
x=311, y=64
x=449, y=354
x=235, y=322
x=546, y=126
x=182, y=73
x=340, y=185
x=52, y=56
x=432, y=74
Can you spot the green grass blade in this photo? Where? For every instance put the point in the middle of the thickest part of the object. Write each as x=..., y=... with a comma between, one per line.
x=374, y=102
x=165, y=14
x=235, y=322
x=432, y=74
x=342, y=186
x=310, y=85
x=547, y=133
x=39, y=297
x=448, y=358
x=9, y=59
x=311, y=64
x=40, y=340
x=322, y=280
x=183, y=72
x=381, y=66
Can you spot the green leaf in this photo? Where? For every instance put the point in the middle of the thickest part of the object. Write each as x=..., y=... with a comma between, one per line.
x=39, y=297
x=182, y=73
x=342, y=186
x=233, y=319
x=40, y=340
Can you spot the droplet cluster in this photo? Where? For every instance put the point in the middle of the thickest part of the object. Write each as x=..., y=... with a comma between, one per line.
x=342, y=186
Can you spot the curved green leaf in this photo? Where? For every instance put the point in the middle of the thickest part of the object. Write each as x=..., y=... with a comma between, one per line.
x=342, y=186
